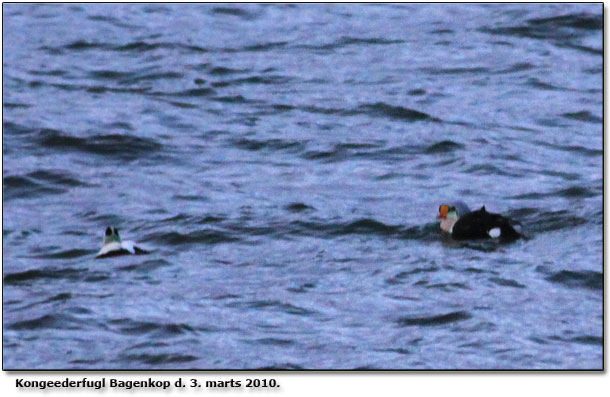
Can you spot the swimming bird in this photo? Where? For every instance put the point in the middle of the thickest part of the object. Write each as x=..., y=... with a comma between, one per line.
x=476, y=224
x=114, y=246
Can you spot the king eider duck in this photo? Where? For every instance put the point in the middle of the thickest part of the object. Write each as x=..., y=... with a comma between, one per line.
x=114, y=246
x=476, y=224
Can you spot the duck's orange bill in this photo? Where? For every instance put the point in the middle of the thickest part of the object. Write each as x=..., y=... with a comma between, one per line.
x=443, y=210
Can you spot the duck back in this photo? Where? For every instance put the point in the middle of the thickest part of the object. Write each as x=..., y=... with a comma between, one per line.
x=478, y=224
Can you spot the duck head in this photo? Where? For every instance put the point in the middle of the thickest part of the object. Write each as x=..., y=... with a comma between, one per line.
x=112, y=235
x=448, y=216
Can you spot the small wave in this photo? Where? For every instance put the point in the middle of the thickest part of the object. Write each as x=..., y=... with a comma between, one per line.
x=536, y=83
x=95, y=277
x=473, y=70
x=145, y=267
x=368, y=226
x=349, y=41
x=48, y=321
x=365, y=226
x=81, y=45
x=397, y=350
x=193, y=92
x=361, y=226
x=443, y=147
x=400, y=277
x=588, y=340
x=417, y=92
x=577, y=21
x=265, y=46
x=23, y=187
x=567, y=176
x=10, y=128
x=576, y=192
x=435, y=320
x=573, y=148
x=142, y=46
x=133, y=77
x=390, y=175
x=127, y=326
x=392, y=153
x=109, y=75
x=56, y=178
x=67, y=254
x=343, y=152
x=578, y=279
x=232, y=99
x=281, y=367
x=584, y=116
x=186, y=219
x=183, y=105
x=518, y=67
x=301, y=288
x=442, y=31
x=233, y=11
x=54, y=72
x=328, y=156
x=374, y=40
x=588, y=50
x=96, y=89
x=157, y=359
x=381, y=109
x=273, y=304
x=112, y=21
x=571, y=192
x=283, y=108
x=584, y=340
x=447, y=287
x=10, y=105
x=483, y=245
x=119, y=125
x=255, y=80
x=35, y=275
x=221, y=71
x=189, y=197
x=506, y=282
x=196, y=237
x=564, y=27
x=273, y=342
x=136, y=46
x=270, y=144
x=60, y=297
x=298, y=207
x=327, y=111
x=487, y=169
x=127, y=147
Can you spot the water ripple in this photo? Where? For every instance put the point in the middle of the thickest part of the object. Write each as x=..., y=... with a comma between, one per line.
x=555, y=28
x=578, y=279
x=434, y=320
x=128, y=326
x=126, y=147
x=34, y=275
x=381, y=109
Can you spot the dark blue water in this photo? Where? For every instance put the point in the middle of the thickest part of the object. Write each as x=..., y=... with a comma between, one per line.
x=284, y=165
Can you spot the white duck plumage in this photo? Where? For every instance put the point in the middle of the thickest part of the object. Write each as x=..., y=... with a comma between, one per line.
x=114, y=246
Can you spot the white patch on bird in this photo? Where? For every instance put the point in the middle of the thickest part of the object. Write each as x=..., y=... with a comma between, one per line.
x=495, y=232
x=115, y=246
x=129, y=246
x=448, y=222
x=110, y=247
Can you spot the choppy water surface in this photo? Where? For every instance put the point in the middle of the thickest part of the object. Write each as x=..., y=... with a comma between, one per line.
x=284, y=164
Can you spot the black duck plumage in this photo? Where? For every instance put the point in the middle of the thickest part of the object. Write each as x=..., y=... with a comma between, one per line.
x=477, y=224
